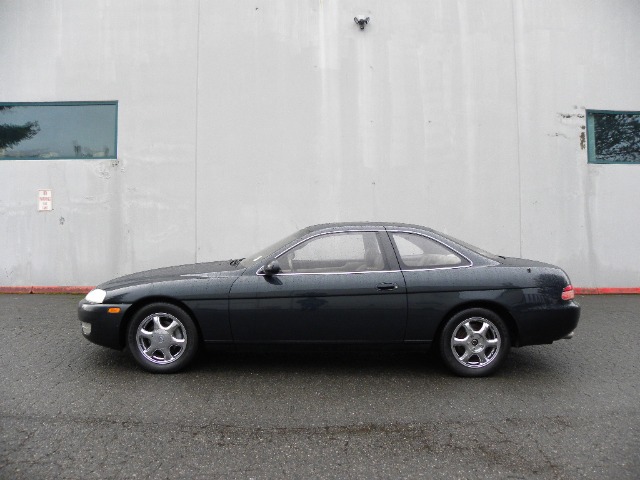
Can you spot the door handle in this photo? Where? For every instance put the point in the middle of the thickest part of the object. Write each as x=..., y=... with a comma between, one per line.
x=387, y=286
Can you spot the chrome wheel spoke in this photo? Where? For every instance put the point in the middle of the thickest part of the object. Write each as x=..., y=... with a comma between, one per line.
x=150, y=350
x=168, y=356
x=482, y=358
x=172, y=328
x=483, y=329
x=145, y=334
x=492, y=342
x=459, y=342
x=465, y=356
x=468, y=328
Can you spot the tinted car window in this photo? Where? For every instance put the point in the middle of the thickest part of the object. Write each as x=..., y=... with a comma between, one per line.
x=335, y=252
x=418, y=251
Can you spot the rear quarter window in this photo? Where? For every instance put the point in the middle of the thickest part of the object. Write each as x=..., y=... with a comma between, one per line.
x=420, y=252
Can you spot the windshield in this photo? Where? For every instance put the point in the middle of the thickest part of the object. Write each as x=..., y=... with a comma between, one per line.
x=265, y=252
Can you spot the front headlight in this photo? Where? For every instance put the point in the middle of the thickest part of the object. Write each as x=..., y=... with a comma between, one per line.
x=96, y=296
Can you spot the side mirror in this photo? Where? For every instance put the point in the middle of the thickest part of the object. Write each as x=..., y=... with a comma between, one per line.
x=271, y=268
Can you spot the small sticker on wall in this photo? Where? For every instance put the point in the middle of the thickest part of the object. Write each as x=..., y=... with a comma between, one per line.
x=45, y=200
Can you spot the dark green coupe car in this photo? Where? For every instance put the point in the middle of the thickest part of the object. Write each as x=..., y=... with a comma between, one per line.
x=343, y=283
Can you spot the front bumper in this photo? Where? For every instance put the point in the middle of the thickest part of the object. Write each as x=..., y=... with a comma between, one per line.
x=101, y=327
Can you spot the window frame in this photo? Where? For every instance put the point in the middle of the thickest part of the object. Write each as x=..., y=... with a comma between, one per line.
x=114, y=103
x=591, y=136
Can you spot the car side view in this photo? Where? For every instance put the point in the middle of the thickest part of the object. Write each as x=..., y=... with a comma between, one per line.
x=342, y=283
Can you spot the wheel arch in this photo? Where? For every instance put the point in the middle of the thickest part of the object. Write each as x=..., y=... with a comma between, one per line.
x=143, y=302
x=495, y=307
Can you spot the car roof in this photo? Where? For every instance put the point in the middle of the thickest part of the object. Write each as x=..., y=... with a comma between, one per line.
x=327, y=227
x=364, y=225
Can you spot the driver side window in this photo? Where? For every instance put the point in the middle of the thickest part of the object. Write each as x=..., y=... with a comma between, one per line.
x=335, y=253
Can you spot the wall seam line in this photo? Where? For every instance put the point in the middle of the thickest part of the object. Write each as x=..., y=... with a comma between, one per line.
x=515, y=68
x=195, y=169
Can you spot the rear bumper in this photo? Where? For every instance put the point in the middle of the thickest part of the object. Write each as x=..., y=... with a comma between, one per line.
x=548, y=324
x=101, y=327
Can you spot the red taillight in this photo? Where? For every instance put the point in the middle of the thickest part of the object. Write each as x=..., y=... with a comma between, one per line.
x=568, y=293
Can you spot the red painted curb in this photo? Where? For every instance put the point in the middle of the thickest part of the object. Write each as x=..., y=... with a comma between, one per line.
x=15, y=289
x=608, y=291
x=55, y=289
x=46, y=289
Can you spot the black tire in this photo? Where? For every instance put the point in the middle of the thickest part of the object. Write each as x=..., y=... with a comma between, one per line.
x=474, y=342
x=162, y=338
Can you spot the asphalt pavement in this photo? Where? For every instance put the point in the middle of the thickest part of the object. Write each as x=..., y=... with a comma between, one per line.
x=73, y=410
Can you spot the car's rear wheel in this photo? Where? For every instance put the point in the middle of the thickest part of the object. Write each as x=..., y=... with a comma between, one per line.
x=162, y=338
x=474, y=342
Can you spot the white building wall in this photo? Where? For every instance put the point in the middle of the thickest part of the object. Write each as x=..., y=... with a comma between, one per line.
x=572, y=56
x=109, y=218
x=241, y=121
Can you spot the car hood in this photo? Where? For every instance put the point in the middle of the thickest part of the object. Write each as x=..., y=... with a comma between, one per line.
x=220, y=269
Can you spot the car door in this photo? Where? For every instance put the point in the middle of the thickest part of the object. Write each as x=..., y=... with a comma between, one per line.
x=332, y=287
x=436, y=278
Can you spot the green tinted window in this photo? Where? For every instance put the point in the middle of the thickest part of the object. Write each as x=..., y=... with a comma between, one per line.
x=39, y=131
x=613, y=137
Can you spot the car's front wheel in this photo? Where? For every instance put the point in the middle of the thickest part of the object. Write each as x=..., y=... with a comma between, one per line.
x=162, y=338
x=474, y=342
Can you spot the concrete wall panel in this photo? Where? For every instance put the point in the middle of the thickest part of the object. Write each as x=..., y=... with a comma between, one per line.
x=322, y=121
x=134, y=213
x=579, y=215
